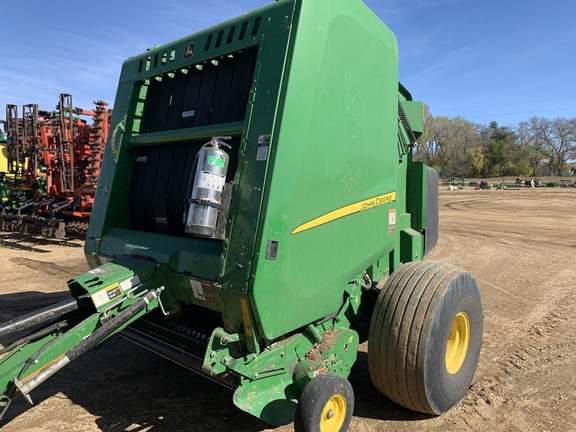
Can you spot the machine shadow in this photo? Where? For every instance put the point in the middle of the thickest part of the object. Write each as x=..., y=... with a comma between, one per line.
x=13, y=305
x=126, y=387
x=33, y=243
x=370, y=403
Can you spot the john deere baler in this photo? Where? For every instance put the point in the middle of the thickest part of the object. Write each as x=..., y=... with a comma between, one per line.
x=259, y=215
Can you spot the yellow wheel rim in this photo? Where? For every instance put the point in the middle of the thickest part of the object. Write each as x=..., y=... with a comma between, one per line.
x=458, y=341
x=333, y=414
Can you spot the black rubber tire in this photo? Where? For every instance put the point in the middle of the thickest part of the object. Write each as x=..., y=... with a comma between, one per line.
x=409, y=332
x=316, y=396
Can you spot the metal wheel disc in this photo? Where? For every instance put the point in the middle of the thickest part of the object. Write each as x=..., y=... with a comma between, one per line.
x=334, y=414
x=457, y=343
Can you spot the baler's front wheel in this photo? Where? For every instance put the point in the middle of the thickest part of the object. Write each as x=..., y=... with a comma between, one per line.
x=326, y=405
x=425, y=336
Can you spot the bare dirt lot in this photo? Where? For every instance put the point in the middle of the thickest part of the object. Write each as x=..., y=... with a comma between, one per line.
x=520, y=245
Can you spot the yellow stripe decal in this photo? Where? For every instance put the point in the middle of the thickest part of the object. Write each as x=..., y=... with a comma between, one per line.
x=357, y=207
x=246, y=317
x=23, y=380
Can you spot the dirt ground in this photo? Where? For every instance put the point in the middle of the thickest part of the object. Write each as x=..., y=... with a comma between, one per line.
x=519, y=244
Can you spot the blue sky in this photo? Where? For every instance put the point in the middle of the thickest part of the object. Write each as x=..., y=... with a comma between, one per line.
x=484, y=60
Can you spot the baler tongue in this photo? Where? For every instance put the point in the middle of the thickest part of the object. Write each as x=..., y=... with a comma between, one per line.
x=39, y=317
x=106, y=300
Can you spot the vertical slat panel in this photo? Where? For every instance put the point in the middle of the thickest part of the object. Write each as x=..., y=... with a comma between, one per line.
x=160, y=189
x=147, y=185
x=190, y=105
x=206, y=96
x=222, y=91
x=176, y=105
x=179, y=184
x=163, y=107
x=241, y=84
x=152, y=99
x=138, y=174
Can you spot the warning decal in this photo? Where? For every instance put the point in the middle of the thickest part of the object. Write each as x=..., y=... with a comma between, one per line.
x=211, y=181
x=202, y=291
x=392, y=221
x=107, y=294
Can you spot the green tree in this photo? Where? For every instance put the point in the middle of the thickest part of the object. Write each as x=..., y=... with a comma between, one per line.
x=499, y=151
x=445, y=142
x=476, y=161
x=458, y=147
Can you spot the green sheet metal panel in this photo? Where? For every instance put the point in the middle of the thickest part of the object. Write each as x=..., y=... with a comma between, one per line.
x=335, y=155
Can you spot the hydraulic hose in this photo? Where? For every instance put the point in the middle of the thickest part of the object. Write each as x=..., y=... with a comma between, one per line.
x=35, y=335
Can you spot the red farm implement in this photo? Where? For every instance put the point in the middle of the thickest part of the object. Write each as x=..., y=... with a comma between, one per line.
x=53, y=163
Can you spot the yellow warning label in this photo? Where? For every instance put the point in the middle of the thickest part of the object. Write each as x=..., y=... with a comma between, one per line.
x=107, y=294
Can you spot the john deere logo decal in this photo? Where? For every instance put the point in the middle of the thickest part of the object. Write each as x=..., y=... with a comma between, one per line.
x=189, y=50
x=347, y=210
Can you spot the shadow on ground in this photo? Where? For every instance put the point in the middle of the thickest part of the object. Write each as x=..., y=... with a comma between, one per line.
x=32, y=243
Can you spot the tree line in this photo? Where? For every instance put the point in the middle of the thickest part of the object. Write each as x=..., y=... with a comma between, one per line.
x=456, y=147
